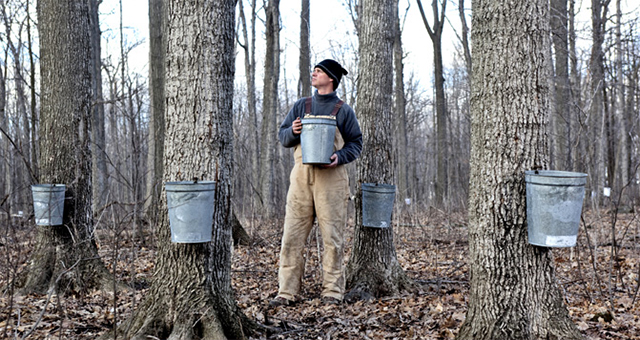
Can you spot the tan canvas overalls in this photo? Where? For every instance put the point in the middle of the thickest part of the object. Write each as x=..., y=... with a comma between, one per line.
x=323, y=193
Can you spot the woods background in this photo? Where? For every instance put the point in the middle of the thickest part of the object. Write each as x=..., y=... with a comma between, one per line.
x=594, y=122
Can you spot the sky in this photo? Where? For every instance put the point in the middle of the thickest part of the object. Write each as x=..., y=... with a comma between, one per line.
x=330, y=25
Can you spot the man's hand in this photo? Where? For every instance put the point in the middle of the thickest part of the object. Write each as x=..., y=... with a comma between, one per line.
x=334, y=162
x=296, y=126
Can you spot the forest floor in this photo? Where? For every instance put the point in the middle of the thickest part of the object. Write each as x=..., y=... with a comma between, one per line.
x=600, y=291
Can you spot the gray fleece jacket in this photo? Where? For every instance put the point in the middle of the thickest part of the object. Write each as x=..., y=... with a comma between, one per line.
x=322, y=105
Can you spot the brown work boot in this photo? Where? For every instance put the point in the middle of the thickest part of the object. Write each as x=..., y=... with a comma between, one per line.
x=280, y=301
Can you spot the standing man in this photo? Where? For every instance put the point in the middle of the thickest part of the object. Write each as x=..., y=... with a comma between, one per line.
x=318, y=191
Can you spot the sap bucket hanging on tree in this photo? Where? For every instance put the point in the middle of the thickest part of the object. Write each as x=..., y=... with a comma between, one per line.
x=377, y=204
x=48, y=203
x=316, y=139
x=554, y=206
x=190, y=210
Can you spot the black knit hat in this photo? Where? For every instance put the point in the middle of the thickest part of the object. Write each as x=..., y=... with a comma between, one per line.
x=333, y=69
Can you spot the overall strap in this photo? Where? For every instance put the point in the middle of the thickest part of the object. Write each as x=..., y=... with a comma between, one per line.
x=307, y=106
x=337, y=108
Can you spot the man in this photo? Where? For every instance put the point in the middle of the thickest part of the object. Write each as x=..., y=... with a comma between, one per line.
x=317, y=191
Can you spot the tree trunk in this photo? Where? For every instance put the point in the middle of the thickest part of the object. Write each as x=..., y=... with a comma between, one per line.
x=191, y=296
x=562, y=128
x=99, y=170
x=402, y=144
x=66, y=256
x=304, y=81
x=513, y=293
x=442, y=149
x=596, y=121
x=270, y=107
x=156, y=109
x=373, y=269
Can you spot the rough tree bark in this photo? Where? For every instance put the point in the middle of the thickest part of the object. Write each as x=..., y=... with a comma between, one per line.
x=373, y=269
x=191, y=295
x=66, y=256
x=513, y=293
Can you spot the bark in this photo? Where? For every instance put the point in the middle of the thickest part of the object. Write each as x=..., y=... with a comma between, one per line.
x=99, y=169
x=373, y=269
x=513, y=293
x=435, y=33
x=304, y=81
x=191, y=296
x=156, y=109
x=66, y=256
x=562, y=121
x=270, y=107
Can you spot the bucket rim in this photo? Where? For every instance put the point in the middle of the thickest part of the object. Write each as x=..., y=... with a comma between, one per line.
x=382, y=186
x=190, y=186
x=555, y=174
x=48, y=187
x=318, y=120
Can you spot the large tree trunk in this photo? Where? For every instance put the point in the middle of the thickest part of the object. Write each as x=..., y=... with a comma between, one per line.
x=513, y=293
x=373, y=269
x=66, y=256
x=191, y=296
x=156, y=109
x=270, y=108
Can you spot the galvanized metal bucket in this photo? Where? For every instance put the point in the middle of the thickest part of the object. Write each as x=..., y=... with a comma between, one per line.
x=554, y=206
x=316, y=140
x=377, y=204
x=48, y=203
x=190, y=210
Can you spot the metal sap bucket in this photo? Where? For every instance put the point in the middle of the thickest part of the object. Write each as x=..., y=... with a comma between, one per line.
x=377, y=204
x=190, y=210
x=316, y=140
x=554, y=206
x=48, y=203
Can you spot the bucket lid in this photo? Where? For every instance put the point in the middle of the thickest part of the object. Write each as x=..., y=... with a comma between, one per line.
x=48, y=187
x=379, y=187
x=555, y=177
x=190, y=186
